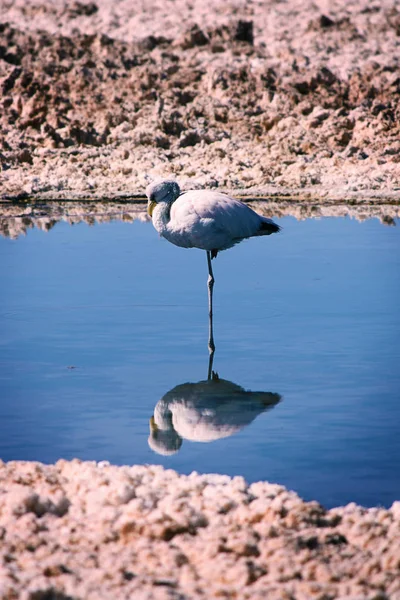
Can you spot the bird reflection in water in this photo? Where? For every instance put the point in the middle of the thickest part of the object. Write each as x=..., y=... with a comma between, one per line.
x=204, y=412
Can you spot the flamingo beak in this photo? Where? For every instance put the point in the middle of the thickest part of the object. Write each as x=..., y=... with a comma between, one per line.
x=152, y=423
x=150, y=207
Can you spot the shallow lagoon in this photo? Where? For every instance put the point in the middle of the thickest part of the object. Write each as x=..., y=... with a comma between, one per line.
x=99, y=323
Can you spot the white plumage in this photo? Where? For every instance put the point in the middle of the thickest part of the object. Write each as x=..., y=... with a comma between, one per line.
x=203, y=219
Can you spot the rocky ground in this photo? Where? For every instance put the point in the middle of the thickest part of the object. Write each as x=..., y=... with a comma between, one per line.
x=99, y=97
x=80, y=530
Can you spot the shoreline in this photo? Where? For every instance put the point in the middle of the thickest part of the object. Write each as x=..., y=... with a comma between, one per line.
x=16, y=218
x=322, y=196
x=92, y=530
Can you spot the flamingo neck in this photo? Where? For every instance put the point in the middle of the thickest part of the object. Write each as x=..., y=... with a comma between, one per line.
x=161, y=216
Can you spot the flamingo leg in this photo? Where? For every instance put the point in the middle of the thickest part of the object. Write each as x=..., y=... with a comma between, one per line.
x=210, y=285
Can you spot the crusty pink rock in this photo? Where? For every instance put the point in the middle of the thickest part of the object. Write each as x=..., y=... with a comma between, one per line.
x=91, y=531
x=101, y=97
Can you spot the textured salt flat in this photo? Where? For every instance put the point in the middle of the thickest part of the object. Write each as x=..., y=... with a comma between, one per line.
x=86, y=530
x=100, y=97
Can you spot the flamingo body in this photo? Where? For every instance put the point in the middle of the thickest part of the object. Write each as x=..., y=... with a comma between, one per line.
x=203, y=219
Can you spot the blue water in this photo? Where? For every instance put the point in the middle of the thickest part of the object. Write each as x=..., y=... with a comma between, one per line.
x=98, y=323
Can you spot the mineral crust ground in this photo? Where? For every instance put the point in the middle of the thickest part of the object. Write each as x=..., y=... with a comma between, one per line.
x=91, y=531
x=98, y=98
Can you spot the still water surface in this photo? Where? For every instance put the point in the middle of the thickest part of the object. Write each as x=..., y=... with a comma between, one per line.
x=99, y=324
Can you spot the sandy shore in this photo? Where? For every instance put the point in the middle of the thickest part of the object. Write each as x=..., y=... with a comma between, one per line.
x=100, y=97
x=91, y=531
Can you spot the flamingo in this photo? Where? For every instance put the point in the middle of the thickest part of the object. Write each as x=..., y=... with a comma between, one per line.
x=203, y=219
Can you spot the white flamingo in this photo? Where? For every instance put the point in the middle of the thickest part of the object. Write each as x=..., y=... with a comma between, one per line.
x=203, y=219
